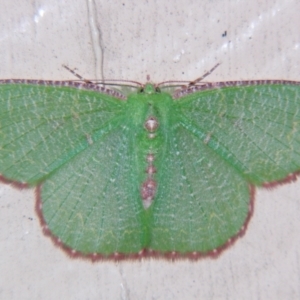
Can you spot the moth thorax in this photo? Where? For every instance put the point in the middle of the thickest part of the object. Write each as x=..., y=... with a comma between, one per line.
x=151, y=124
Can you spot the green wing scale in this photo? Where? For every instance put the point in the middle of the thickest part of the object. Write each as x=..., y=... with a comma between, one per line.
x=152, y=174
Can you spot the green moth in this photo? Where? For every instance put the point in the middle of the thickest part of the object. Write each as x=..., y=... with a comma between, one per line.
x=151, y=174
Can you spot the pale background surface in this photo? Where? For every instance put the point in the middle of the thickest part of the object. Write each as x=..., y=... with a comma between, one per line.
x=176, y=39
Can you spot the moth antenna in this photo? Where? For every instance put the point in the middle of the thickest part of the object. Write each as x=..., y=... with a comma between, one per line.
x=77, y=75
x=107, y=81
x=189, y=83
x=194, y=82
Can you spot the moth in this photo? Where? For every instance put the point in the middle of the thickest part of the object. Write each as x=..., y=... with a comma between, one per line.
x=152, y=173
